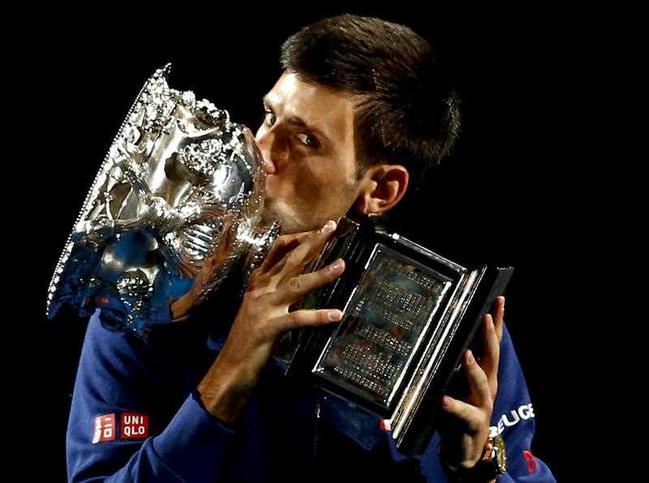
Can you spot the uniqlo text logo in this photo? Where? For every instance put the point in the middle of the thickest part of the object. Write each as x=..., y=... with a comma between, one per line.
x=104, y=428
x=134, y=426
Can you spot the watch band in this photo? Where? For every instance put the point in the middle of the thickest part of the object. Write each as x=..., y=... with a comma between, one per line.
x=492, y=464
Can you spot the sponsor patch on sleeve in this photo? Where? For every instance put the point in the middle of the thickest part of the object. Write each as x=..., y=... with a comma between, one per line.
x=104, y=428
x=134, y=426
x=131, y=426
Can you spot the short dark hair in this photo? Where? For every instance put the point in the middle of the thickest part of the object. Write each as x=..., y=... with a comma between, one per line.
x=409, y=110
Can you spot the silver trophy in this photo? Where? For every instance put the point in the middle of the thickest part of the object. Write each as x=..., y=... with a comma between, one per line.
x=177, y=200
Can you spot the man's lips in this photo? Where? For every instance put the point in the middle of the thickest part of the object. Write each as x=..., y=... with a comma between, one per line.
x=269, y=166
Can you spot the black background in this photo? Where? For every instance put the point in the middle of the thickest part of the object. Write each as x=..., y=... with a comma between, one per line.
x=508, y=194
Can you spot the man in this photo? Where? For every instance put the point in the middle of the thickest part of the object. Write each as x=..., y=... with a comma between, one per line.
x=362, y=108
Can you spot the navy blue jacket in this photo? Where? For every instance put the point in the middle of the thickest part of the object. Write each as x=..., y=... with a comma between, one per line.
x=286, y=433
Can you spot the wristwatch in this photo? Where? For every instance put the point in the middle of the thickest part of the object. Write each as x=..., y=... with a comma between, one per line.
x=492, y=464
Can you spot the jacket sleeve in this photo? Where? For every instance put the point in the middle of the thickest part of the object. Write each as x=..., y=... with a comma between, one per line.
x=114, y=378
x=513, y=418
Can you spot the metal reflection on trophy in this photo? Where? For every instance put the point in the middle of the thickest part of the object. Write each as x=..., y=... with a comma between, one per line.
x=176, y=201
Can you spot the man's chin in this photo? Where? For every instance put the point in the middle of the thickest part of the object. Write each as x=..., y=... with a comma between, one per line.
x=287, y=222
x=268, y=216
x=271, y=215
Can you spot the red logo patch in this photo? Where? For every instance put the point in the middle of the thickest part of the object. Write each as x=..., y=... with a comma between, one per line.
x=531, y=461
x=104, y=428
x=134, y=426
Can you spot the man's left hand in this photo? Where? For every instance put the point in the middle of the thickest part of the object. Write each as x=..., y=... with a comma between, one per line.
x=466, y=426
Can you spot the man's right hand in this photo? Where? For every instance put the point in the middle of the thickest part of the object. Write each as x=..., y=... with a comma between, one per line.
x=264, y=314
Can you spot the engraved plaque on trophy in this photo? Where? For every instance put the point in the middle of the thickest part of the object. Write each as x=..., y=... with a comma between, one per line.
x=408, y=315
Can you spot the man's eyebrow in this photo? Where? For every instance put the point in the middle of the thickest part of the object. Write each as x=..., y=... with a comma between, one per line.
x=298, y=121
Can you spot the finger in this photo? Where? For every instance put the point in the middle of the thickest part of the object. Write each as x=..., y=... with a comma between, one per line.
x=299, y=286
x=478, y=382
x=296, y=261
x=499, y=316
x=469, y=415
x=282, y=245
x=307, y=318
x=490, y=353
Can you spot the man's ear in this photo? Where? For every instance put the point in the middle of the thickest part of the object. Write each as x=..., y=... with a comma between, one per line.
x=381, y=188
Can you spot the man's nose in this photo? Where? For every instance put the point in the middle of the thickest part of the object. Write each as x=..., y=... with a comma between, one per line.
x=260, y=151
x=265, y=144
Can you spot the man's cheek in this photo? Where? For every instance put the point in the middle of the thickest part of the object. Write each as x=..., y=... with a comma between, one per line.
x=313, y=189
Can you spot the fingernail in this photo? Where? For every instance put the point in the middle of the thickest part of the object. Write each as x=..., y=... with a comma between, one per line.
x=446, y=401
x=469, y=356
x=328, y=227
x=335, y=315
x=336, y=266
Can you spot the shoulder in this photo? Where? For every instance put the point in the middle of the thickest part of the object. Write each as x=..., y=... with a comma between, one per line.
x=125, y=356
